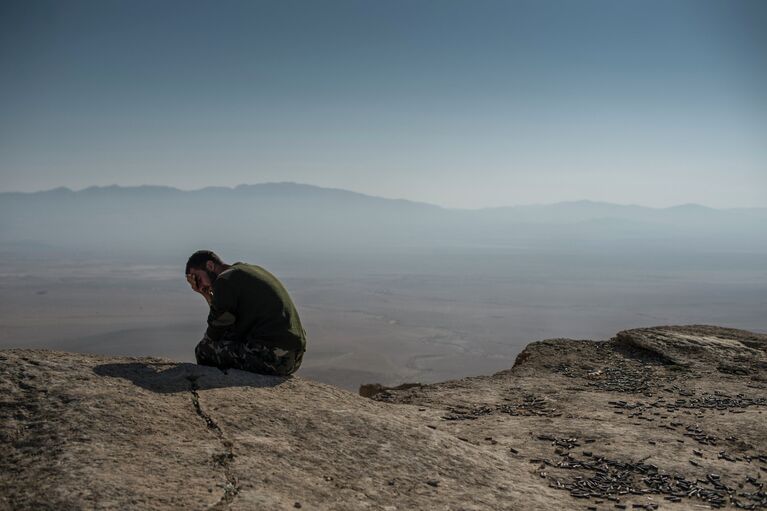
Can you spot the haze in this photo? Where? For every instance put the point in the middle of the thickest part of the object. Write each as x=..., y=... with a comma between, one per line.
x=438, y=183
x=388, y=291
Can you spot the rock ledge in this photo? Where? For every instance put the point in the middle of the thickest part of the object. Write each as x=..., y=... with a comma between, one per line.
x=669, y=417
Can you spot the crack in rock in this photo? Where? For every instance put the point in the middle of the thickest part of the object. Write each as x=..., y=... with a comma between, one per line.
x=224, y=460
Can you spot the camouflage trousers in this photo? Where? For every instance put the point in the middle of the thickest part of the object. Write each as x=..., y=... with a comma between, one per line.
x=248, y=355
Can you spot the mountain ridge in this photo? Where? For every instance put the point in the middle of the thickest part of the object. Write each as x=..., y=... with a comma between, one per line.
x=289, y=217
x=291, y=185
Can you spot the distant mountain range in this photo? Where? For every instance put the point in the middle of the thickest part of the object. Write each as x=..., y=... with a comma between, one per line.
x=300, y=216
x=298, y=190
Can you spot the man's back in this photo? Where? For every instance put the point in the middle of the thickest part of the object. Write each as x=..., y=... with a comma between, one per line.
x=261, y=306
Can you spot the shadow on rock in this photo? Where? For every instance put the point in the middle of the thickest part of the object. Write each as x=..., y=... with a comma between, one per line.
x=169, y=378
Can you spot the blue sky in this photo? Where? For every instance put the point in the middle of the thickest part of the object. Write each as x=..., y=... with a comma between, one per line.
x=462, y=104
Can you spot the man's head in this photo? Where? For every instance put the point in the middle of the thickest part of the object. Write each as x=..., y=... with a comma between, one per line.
x=203, y=267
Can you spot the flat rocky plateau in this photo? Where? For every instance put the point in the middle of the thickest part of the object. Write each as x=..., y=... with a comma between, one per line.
x=655, y=418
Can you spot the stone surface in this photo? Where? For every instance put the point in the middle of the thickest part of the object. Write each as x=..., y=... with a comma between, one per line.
x=667, y=417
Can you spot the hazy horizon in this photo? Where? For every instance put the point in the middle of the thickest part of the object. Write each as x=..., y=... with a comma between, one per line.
x=572, y=201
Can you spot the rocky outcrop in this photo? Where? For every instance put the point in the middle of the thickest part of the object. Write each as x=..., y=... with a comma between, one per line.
x=669, y=417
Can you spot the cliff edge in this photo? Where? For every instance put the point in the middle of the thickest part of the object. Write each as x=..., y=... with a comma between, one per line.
x=666, y=417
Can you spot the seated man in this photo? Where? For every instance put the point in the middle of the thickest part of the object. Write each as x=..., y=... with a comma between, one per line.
x=253, y=324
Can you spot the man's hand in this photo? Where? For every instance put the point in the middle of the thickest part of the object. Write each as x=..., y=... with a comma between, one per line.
x=206, y=292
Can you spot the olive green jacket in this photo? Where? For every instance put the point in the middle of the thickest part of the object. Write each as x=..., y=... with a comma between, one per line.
x=250, y=303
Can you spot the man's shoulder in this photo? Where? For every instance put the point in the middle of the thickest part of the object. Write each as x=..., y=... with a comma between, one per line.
x=225, y=278
x=229, y=279
x=239, y=268
x=243, y=275
x=252, y=270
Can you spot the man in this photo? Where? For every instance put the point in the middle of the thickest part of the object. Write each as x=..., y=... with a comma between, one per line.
x=253, y=324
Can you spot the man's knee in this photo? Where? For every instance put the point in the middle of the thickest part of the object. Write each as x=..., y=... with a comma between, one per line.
x=224, y=353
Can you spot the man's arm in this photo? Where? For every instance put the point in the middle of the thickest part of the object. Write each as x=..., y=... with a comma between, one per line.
x=222, y=310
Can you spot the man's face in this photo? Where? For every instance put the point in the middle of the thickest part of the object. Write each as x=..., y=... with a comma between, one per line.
x=204, y=279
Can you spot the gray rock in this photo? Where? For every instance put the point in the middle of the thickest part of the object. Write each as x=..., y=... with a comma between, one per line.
x=86, y=432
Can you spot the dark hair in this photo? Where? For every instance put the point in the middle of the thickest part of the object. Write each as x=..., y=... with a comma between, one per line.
x=199, y=258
